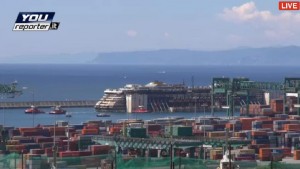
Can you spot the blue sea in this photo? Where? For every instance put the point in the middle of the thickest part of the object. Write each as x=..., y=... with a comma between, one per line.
x=88, y=81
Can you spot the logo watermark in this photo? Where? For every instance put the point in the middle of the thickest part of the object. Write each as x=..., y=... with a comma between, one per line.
x=35, y=21
x=289, y=5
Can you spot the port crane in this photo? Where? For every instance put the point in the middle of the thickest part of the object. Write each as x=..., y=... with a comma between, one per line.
x=243, y=86
x=10, y=90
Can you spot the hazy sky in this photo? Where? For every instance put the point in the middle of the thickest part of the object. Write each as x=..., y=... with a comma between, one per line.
x=127, y=25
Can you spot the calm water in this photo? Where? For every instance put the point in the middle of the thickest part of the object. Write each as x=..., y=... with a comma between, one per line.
x=77, y=82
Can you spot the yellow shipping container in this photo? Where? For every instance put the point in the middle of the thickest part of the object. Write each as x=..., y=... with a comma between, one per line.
x=216, y=134
x=214, y=152
x=13, y=142
x=246, y=151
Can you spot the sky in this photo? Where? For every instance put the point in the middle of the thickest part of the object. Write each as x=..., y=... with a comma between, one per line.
x=130, y=25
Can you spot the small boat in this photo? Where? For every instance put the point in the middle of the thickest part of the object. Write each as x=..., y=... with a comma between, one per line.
x=103, y=115
x=57, y=110
x=140, y=109
x=68, y=115
x=33, y=110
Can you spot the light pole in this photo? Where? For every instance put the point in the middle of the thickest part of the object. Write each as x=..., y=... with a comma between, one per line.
x=195, y=107
x=33, y=105
x=204, y=149
x=228, y=145
x=227, y=108
x=32, y=90
x=54, y=149
x=68, y=132
x=3, y=112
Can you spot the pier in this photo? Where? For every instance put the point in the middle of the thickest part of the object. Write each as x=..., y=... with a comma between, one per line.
x=48, y=104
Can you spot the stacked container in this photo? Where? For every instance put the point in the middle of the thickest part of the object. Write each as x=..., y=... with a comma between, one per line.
x=292, y=127
x=234, y=125
x=100, y=149
x=153, y=129
x=137, y=132
x=288, y=138
x=245, y=154
x=216, y=154
x=297, y=155
x=277, y=105
x=247, y=122
x=260, y=137
x=279, y=124
x=218, y=134
x=262, y=124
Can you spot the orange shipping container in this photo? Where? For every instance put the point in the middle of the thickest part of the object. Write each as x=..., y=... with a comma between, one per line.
x=258, y=133
x=113, y=130
x=296, y=154
x=247, y=122
x=51, y=129
x=239, y=134
x=277, y=105
x=90, y=132
x=265, y=152
x=292, y=127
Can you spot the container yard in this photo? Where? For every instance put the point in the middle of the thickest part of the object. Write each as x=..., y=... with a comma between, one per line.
x=100, y=143
x=266, y=134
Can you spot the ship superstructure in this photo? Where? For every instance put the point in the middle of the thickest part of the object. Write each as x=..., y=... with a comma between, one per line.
x=114, y=100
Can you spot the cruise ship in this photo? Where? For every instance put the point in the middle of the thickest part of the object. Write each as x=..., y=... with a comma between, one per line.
x=162, y=97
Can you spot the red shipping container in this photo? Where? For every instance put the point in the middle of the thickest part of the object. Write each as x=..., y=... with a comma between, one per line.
x=100, y=149
x=43, y=139
x=154, y=127
x=292, y=127
x=258, y=133
x=29, y=129
x=69, y=154
x=90, y=131
x=85, y=153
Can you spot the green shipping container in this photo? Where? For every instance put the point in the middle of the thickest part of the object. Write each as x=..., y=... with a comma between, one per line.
x=182, y=131
x=84, y=144
x=136, y=132
x=178, y=130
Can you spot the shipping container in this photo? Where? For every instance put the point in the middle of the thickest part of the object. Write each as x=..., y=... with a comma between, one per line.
x=137, y=132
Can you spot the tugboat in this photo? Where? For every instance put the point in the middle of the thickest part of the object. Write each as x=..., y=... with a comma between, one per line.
x=140, y=109
x=103, y=115
x=57, y=110
x=33, y=110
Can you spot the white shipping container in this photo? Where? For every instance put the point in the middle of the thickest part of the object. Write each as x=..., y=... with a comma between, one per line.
x=135, y=125
x=206, y=127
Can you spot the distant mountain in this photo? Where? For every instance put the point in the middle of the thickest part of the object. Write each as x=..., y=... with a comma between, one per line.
x=289, y=55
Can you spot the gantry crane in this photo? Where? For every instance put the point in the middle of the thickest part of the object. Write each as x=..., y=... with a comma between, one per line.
x=10, y=90
x=239, y=87
x=291, y=85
